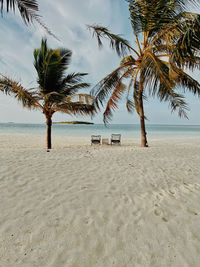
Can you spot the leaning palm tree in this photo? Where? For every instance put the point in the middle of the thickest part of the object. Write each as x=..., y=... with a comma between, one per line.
x=168, y=42
x=56, y=91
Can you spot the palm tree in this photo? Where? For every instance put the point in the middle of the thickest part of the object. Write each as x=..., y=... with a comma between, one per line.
x=168, y=42
x=56, y=91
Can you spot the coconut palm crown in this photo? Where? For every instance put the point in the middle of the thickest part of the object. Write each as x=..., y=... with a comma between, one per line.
x=168, y=43
x=56, y=91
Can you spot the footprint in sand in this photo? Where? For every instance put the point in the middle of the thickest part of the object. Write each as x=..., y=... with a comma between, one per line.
x=87, y=220
x=131, y=165
x=188, y=187
x=164, y=219
x=83, y=187
x=197, y=186
x=172, y=193
x=160, y=196
x=158, y=212
x=192, y=212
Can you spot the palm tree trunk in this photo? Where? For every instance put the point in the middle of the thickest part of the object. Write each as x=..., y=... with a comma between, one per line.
x=49, y=123
x=142, y=117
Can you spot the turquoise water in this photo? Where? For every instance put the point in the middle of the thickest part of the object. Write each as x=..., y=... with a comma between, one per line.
x=126, y=130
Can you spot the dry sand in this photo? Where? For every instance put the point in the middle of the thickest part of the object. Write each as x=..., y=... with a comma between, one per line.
x=99, y=206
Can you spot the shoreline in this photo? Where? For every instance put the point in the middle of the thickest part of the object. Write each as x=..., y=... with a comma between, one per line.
x=87, y=140
x=148, y=124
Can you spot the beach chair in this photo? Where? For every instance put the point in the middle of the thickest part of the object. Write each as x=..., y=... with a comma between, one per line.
x=95, y=139
x=115, y=139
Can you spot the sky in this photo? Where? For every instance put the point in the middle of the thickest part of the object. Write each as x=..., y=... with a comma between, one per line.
x=68, y=20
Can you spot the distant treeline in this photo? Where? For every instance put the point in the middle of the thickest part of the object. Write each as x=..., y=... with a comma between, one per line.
x=73, y=122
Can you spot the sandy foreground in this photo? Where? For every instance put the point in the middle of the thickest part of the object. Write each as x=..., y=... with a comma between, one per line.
x=99, y=206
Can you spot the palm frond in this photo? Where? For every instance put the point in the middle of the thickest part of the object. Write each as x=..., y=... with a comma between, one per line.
x=158, y=81
x=181, y=37
x=190, y=63
x=52, y=98
x=72, y=83
x=28, y=98
x=74, y=78
x=129, y=103
x=113, y=100
x=103, y=88
x=71, y=90
x=117, y=93
x=51, y=66
x=128, y=59
x=136, y=95
x=65, y=55
x=177, y=102
x=154, y=72
x=120, y=45
x=27, y=8
x=151, y=16
x=76, y=108
x=101, y=91
x=80, y=98
x=185, y=81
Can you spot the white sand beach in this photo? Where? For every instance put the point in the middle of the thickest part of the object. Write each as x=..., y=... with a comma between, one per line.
x=99, y=206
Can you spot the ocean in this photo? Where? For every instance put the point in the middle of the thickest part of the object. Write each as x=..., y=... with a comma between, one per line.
x=126, y=130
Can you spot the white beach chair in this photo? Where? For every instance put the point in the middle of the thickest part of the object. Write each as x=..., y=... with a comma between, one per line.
x=95, y=139
x=115, y=139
